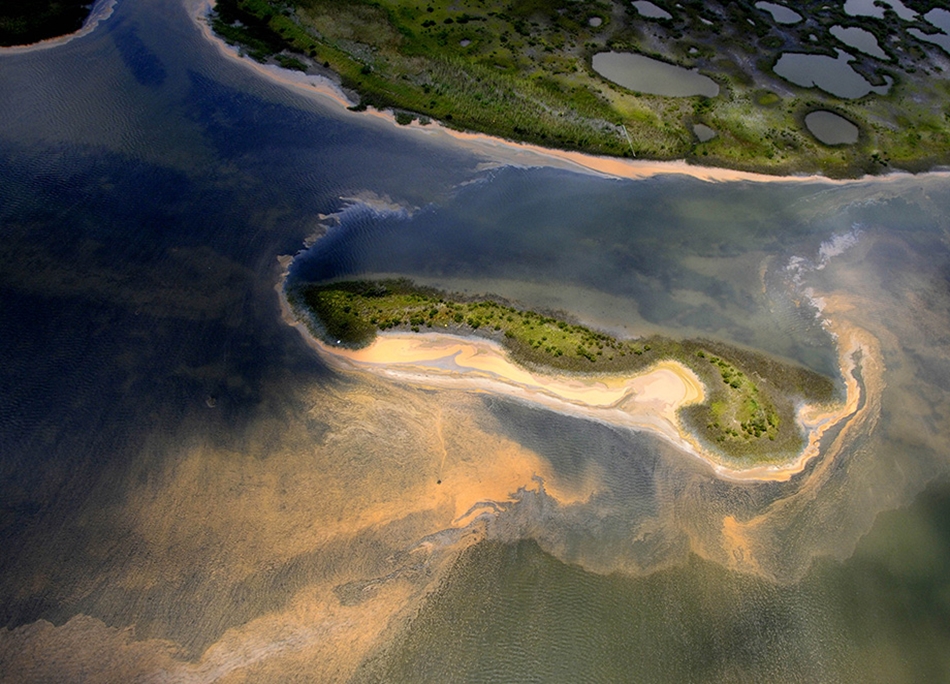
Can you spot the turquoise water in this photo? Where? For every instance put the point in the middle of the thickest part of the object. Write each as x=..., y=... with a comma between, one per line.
x=188, y=491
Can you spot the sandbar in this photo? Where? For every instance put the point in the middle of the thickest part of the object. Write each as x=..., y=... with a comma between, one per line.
x=646, y=401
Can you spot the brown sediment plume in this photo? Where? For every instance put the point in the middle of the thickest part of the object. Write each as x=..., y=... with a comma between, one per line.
x=336, y=533
x=749, y=545
x=739, y=548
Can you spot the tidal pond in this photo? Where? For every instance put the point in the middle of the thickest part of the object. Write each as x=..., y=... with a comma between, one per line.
x=780, y=13
x=939, y=18
x=831, y=129
x=859, y=39
x=875, y=8
x=646, y=75
x=833, y=75
x=703, y=132
x=651, y=11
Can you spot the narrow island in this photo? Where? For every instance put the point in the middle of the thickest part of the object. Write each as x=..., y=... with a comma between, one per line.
x=830, y=88
x=738, y=408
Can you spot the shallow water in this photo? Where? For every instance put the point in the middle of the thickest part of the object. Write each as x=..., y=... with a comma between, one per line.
x=832, y=74
x=831, y=129
x=858, y=38
x=646, y=75
x=780, y=13
x=190, y=492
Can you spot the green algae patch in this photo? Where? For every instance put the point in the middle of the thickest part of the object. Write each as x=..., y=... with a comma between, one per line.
x=749, y=413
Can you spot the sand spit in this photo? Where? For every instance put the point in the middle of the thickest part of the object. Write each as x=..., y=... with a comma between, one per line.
x=100, y=11
x=501, y=152
x=648, y=401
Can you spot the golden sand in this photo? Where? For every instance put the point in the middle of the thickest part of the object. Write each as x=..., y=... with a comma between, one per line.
x=646, y=401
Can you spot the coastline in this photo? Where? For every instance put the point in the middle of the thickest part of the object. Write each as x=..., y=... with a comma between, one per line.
x=502, y=152
x=646, y=401
x=101, y=10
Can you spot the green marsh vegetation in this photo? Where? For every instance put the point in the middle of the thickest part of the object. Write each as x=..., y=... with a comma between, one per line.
x=749, y=412
x=521, y=69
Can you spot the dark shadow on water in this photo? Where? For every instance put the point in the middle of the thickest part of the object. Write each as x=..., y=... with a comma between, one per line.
x=145, y=65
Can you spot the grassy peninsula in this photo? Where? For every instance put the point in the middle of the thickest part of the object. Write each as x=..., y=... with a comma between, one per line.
x=749, y=412
x=29, y=21
x=522, y=70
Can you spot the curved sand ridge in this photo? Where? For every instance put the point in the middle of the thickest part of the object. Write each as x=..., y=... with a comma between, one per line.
x=646, y=401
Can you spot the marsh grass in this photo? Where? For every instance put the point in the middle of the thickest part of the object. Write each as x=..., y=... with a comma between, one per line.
x=522, y=70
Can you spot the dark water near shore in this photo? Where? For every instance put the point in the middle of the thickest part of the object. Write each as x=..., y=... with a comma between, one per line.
x=186, y=490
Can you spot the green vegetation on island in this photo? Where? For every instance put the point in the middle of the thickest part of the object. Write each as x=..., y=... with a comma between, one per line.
x=23, y=22
x=522, y=70
x=749, y=411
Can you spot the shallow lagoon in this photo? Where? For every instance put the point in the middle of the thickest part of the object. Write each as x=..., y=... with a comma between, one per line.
x=189, y=492
x=833, y=75
x=780, y=13
x=831, y=128
x=643, y=74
